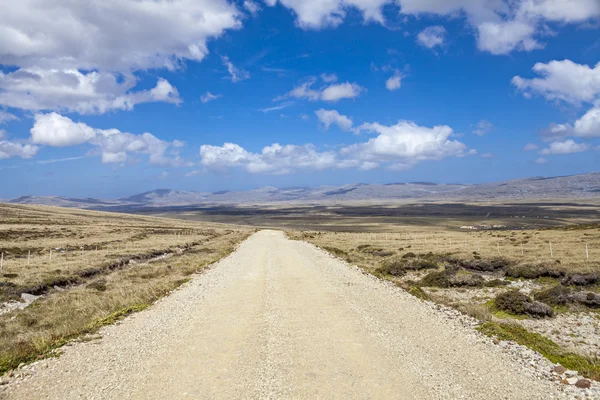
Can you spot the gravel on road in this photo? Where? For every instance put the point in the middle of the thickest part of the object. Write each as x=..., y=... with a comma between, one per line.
x=283, y=319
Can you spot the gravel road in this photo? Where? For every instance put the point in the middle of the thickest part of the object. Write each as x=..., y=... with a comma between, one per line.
x=283, y=319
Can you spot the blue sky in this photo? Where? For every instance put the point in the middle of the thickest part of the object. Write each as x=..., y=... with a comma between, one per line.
x=110, y=98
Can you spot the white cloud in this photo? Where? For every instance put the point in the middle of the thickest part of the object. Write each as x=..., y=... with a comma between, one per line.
x=331, y=93
x=208, y=96
x=57, y=131
x=317, y=14
x=505, y=26
x=7, y=117
x=394, y=82
x=237, y=74
x=588, y=126
x=406, y=143
x=432, y=36
x=329, y=117
x=86, y=93
x=530, y=147
x=329, y=78
x=113, y=145
x=562, y=80
x=277, y=107
x=276, y=159
x=251, y=6
x=113, y=35
x=501, y=26
x=483, y=127
x=556, y=132
x=541, y=160
x=58, y=160
x=13, y=149
x=487, y=155
x=340, y=91
x=561, y=10
x=398, y=147
x=504, y=37
x=566, y=147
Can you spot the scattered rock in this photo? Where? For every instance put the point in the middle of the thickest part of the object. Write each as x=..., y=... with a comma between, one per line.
x=572, y=381
x=559, y=369
x=29, y=298
x=583, y=384
x=570, y=373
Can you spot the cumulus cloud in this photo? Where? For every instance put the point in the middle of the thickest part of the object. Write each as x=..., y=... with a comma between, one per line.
x=112, y=35
x=399, y=146
x=588, y=126
x=406, y=143
x=236, y=74
x=500, y=26
x=566, y=147
x=10, y=149
x=37, y=89
x=329, y=117
x=340, y=91
x=317, y=14
x=432, y=36
x=562, y=80
x=483, y=127
x=330, y=92
x=275, y=158
x=506, y=36
x=112, y=145
x=541, y=160
x=394, y=82
x=208, y=96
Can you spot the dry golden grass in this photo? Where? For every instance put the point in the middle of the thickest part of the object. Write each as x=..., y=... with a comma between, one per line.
x=523, y=246
x=89, y=277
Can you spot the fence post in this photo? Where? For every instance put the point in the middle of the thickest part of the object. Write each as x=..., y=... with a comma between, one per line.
x=587, y=254
x=498, y=247
x=1, y=261
x=551, y=253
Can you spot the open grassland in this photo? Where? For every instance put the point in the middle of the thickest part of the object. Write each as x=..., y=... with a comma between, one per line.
x=539, y=287
x=392, y=216
x=90, y=269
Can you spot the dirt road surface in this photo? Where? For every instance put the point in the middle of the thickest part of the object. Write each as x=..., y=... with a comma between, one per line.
x=280, y=319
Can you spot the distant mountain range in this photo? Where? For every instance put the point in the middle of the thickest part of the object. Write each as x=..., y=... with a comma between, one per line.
x=574, y=186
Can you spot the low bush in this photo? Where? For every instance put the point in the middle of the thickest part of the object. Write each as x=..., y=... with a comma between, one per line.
x=529, y=271
x=515, y=302
x=478, y=264
x=554, y=296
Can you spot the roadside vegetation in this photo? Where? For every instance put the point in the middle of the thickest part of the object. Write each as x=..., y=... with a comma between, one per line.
x=67, y=273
